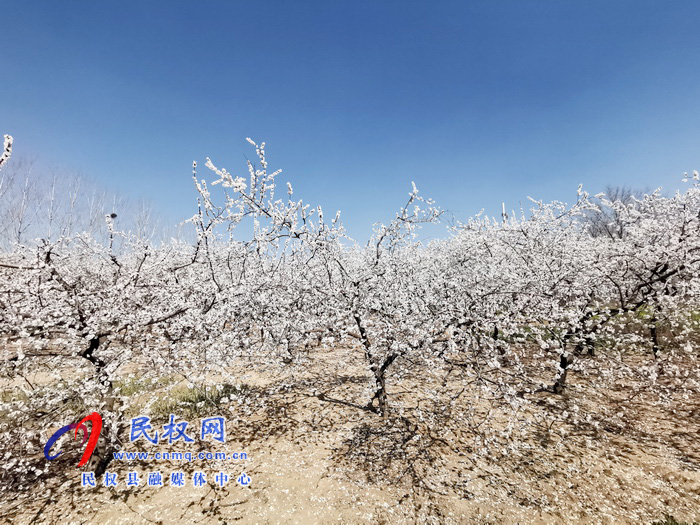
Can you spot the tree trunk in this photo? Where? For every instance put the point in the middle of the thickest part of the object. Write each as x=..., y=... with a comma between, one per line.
x=565, y=361
x=380, y=393
x=103, y=453
x=654, y=336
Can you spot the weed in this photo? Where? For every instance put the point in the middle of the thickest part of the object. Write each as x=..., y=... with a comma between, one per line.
x=195, y=402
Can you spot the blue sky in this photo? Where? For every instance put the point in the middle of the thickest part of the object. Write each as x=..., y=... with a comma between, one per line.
x=478, y=102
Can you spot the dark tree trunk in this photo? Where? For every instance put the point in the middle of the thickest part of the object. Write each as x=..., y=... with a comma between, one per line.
x=103, y=453
x=654, y=336
x=380, y=394
x=565, y=361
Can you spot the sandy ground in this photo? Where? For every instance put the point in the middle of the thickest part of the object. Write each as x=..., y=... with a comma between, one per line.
x=317, y=461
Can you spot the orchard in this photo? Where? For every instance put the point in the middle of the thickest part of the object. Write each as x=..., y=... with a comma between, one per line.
x=508, y=339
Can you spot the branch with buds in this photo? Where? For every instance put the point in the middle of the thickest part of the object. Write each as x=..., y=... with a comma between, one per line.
x=7, y=150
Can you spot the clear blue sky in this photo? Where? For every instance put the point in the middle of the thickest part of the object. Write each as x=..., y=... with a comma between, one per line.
x=477, y=101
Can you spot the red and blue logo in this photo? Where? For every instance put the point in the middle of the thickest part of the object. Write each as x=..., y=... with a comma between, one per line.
x=94, y=436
